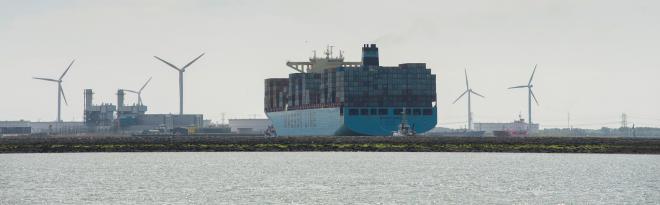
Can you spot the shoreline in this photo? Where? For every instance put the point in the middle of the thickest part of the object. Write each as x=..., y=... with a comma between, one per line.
x=62, y=144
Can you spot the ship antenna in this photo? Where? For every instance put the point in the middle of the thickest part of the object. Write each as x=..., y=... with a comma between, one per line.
x=327, y=52
x=331, y=50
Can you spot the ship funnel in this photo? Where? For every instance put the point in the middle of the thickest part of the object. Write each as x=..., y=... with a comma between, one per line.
x=370, y=55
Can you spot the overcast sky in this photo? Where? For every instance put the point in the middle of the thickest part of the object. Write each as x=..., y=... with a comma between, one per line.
x=597, y=59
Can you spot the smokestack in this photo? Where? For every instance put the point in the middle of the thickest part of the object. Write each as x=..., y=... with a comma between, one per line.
x=120, y=98
x=88, y=98
x=370, y=55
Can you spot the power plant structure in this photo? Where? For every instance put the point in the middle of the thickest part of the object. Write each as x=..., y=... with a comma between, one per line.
x=60, y=91
x=101, y=115
x=122, y=116
x=469, y=93
x=132, y=118
x=530, y=95
x=181, y=71
x=127, y=115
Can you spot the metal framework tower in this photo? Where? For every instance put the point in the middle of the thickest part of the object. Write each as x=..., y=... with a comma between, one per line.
x=624, y=120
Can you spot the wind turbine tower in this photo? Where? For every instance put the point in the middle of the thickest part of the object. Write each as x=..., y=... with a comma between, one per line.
x=181, y=71
x=530, y=95
x=139, y=92
x=469, y=93
x=60, y=91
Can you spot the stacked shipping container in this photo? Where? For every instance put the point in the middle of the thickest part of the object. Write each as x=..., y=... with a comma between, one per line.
x=276, y=94
x=408, y=85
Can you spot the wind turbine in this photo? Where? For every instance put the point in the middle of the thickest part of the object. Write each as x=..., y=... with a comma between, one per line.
x=181, y=70
x=139, y=92
x=60, y=91
x=530, y=95
x=469, y=93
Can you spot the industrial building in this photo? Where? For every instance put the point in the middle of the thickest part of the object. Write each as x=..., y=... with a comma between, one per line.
x=132, y=118
x=15, y=127
x=249, y=126
x=58, y=127
x=170, y=120
x=106, y=117
x=127, y=115
x=97, y=115
x=27, y=127
x=508, y=126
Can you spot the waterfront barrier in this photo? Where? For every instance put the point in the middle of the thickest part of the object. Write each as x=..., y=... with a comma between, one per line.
x=29, y=144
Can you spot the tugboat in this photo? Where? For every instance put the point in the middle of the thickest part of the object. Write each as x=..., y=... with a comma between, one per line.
x=270, y=131
x=404, y=128
x=519, y=129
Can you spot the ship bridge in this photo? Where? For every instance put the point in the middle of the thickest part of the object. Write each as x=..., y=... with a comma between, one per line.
x=317, y=65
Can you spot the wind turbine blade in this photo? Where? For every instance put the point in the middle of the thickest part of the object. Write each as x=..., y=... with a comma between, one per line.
x=67, y=69
x=46, y=79
x=459, y=97
x=531, y=77
x=145, y=84
x=191, y=62
x=130, y=91
x=477, y=94
x=63, y=96
x=168, y=63
x=522, y=86
x=534, y=96
x=466, y=80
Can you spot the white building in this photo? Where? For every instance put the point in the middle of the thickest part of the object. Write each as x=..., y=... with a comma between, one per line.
x=249, y=126
x=517, y=125
x=57, y=127
x=45, y=127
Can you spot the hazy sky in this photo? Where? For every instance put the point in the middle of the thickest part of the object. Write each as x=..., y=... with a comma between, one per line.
x=597, y=59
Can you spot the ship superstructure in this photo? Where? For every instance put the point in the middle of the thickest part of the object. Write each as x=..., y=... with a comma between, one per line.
x=329, y=96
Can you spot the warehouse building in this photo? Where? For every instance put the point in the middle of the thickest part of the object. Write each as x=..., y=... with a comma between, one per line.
x=15, y=128
x=509, y=126
x=249, y=126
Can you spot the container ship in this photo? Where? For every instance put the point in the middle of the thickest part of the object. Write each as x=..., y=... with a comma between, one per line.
x=328, y=96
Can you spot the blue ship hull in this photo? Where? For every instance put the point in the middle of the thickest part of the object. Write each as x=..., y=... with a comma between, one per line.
x=335, y=122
